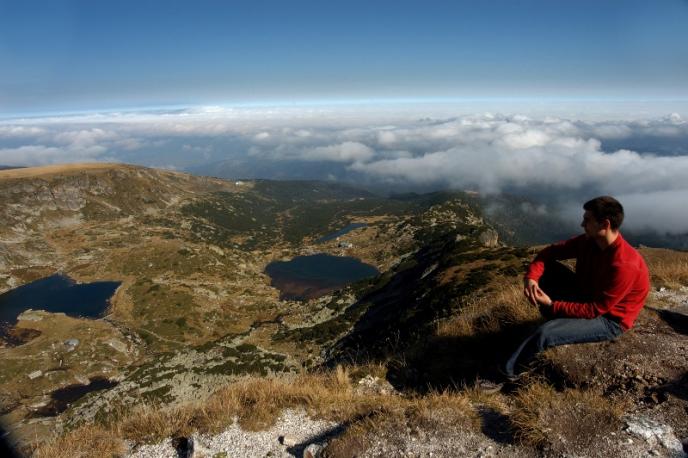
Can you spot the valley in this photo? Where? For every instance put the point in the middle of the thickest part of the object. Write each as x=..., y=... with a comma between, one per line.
x=194, y=307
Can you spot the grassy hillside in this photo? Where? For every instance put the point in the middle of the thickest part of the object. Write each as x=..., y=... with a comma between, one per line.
x=579, y=400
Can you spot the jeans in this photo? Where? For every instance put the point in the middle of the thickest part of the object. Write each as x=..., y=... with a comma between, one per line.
x=562, y=331
x=559, y=282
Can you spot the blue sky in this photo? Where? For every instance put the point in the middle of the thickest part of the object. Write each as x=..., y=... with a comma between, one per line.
x=69, y=55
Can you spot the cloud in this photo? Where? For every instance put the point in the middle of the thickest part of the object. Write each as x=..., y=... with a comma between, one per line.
x=661, y=210
x=42, y=155
x=343, y=152
x=559, y=157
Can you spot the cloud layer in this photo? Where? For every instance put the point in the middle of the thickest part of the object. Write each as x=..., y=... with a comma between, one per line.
x=644, y=161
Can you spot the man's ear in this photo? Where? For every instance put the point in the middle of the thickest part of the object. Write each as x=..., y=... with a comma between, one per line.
x=606, y=224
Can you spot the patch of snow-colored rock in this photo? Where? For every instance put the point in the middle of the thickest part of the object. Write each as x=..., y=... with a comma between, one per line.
x=656, y=435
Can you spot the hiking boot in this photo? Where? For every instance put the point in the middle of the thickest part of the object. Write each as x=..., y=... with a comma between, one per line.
x=511, y=378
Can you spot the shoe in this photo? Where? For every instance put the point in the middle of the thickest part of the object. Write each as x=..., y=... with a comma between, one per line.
x=511, y=378
x=514, y=378
x=488, y=386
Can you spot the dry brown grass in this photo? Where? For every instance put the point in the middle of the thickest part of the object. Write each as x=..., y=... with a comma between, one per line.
x=575, y=419
x=667, y=267
x=437, y=412
x=256, y=404
x=490, y=313
x=88, y=441
x=55, y=169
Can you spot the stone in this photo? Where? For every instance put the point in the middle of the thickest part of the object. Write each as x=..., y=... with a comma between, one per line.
x=118, y=345
x=374, y=385
x=489, y=238
x=35, y=374
x=31, y=315
x=313, y=451
x=287, y=440
x=654, y=434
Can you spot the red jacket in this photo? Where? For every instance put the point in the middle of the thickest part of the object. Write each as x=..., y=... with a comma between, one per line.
x=615, y=280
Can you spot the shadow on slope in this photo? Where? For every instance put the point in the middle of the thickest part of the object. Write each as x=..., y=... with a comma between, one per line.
x=398, y=326
x=677, y=321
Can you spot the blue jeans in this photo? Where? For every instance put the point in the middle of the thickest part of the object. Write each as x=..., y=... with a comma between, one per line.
x=562, y=331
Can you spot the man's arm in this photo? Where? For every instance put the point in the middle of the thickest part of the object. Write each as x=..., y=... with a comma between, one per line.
x=619, y=283
x=566, y=249
x=562, y=250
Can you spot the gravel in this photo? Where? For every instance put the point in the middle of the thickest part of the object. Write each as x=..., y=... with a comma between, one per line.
x=292, y=427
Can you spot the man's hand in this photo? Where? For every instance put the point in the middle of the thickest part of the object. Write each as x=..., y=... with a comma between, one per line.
x=542, y=298
x=530, y=287
x=535, y=295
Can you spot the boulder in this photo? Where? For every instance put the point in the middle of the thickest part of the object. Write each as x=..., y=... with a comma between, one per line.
x=489, y=238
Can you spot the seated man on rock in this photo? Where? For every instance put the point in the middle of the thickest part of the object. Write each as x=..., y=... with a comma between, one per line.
x=598, y=302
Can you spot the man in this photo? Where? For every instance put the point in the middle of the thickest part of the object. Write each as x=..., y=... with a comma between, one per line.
x=597, y=303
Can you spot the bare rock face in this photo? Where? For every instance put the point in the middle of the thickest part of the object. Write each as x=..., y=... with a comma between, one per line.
x=489, y=238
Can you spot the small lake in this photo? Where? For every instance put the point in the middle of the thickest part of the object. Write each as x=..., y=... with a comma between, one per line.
x=340, y=232
x=61, y=399
x=308, y=277
x=57, y=293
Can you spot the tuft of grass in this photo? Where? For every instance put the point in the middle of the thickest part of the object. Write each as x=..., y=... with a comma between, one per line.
x=576, y=419
x=491, y=313
x=148, y=423
x=85, y=442
x=438, y=412
x=667, y=267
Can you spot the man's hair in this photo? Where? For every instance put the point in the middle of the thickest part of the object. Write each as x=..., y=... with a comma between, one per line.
x=606, y=207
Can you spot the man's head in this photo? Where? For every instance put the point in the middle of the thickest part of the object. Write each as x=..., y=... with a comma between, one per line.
x=602, y=214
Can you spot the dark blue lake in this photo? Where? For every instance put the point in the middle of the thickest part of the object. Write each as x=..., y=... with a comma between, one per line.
x=57, y=293
x=340, y=232
x=307, y=277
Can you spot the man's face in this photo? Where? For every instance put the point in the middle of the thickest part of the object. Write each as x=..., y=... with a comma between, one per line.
x=592, y=227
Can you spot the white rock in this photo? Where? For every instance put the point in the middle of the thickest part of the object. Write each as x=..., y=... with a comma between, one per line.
x=288, y=440
x=489, y=238
x=31, y=315
x=655, y=433
x=35, y=374
x=312, y=451
x=118, y=345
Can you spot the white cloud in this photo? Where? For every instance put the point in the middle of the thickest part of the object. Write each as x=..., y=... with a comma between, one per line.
x=490, y=151
x=343, y=152
x=656, y=210
x=41, y=155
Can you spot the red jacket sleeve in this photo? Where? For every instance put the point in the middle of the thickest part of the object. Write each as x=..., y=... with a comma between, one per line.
x=618, y=283
x=566, y=249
